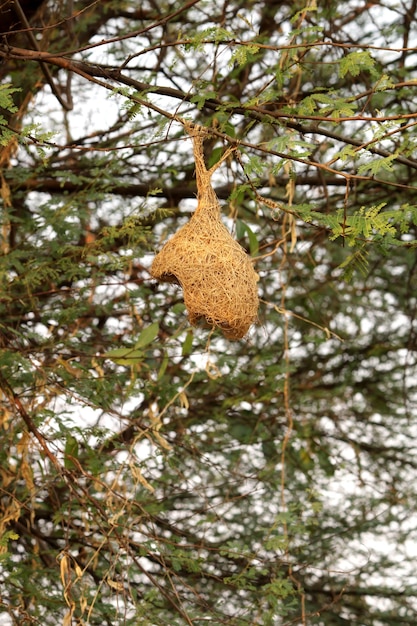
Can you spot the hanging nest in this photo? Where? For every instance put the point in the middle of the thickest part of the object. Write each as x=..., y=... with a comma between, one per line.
x=216, y=274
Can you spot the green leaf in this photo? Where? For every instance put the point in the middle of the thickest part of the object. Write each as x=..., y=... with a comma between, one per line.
x=164, y=366
x=355, y=62
x=178, y=308
x=125, y=356
x=385, y=163
x=4, y=540
x=71, y=452
x=384, y=82
x=200, y=98
x=10, y=534
x=147, y=335
x=242, y=54
x=301, y=13
x=346, y=153
x=356, y=261
x=215, y=156
x=188, y=343
x=241, y=229
x=6, y=101
x=253, y=241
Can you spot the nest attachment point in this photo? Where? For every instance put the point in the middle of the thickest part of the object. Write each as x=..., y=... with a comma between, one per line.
x=215, y=272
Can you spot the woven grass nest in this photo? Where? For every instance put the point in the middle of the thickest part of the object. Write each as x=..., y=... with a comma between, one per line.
x=214, y=271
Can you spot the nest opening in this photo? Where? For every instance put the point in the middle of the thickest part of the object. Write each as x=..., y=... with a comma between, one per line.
x=214, y=271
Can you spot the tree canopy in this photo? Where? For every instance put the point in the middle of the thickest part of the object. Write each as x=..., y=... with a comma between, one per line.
x=154, y=472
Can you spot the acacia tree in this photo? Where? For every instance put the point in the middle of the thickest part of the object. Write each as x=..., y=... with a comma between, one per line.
x=156, y=473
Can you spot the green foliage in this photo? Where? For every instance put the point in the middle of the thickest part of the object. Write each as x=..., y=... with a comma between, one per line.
x=327, y=103
x=215, y=34
x=6, y=100
x=376, y=165
x=244, y=54
x=205, y=93
x=134, y=356
x=4, y=540
x=7, y=104
x=355, y=262
x=356, y=62
x=368, y=225
x=241, y=230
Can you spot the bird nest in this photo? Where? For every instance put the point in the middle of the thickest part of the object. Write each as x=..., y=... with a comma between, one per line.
x=214, y=271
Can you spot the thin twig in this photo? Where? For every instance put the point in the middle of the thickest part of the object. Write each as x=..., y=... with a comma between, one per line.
x=15, y=400
x=68, y=106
